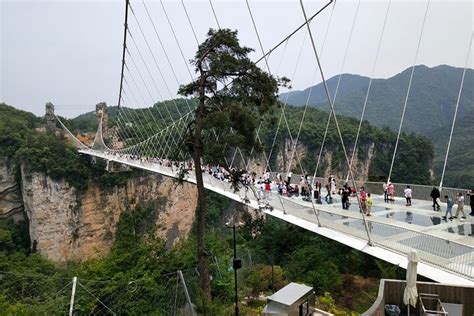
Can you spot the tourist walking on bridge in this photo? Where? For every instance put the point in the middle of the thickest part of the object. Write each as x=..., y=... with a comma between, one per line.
x=391, y=192
x=370, y=202
x=435, y=195
x=408, y=193
x=346, y=192
x=333, y=185
x=328, y=196
x=385, y=194
x=363, y=200
x=460, y=209
x=449, y=208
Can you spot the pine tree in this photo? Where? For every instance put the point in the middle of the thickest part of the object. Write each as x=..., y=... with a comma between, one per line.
x=233, y=94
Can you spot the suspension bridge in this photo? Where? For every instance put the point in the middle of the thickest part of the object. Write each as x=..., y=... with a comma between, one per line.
x=150, y=139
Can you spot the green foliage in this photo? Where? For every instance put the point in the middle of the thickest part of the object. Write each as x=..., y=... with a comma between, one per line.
x=258, y=279
x=413, y=159
x=327, y=303
x=216, y=205
x=14, y=126
x=49, y=154
x=230, y=114
x=459, y=172
x=55, y=157
x=14, y=236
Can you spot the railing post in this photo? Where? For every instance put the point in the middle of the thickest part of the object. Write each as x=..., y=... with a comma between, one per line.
x=73, y=293
x=191, y=309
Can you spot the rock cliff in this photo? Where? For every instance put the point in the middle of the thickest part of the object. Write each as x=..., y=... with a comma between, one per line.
x=66, y=224
x=361, y=166
x=11, y=204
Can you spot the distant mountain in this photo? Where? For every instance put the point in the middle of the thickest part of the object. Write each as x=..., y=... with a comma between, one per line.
x=431, y=101
x=429, y=112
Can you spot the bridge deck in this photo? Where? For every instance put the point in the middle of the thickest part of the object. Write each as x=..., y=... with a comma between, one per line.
x=445, y=248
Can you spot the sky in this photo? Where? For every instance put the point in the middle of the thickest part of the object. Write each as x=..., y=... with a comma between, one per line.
x=69, y=52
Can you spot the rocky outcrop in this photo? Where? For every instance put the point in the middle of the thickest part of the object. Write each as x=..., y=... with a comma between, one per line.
x=361, y=163
x=69, y=225
x=11, y=204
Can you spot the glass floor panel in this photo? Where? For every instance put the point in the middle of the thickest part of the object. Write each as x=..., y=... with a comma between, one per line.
x=375, y=228
x=436, y=246
x=413, y=218
x=466, y=229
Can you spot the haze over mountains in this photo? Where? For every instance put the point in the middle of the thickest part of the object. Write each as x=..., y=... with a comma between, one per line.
x=430, y=109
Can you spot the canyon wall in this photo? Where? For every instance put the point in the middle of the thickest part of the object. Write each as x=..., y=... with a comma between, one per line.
x=66, y=224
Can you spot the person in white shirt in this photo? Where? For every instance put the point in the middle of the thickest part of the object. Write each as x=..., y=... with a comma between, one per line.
x=460, y=209
x=408, y=193
x=385, y=195
x=333, y=185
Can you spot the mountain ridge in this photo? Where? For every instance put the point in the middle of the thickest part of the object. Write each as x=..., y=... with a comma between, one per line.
x=429, y=112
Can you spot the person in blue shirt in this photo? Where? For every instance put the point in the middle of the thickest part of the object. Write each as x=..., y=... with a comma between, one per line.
x=449, y=208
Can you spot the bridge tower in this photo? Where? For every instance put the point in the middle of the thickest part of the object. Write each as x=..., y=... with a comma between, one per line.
x=101, y=112
x=50, y=118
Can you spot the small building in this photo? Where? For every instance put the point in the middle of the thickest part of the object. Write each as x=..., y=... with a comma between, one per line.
x=292, y=300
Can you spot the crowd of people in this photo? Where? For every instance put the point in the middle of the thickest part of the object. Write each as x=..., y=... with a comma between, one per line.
x=308, y=188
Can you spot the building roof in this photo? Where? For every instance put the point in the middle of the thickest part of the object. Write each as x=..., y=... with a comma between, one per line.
x=290, y=293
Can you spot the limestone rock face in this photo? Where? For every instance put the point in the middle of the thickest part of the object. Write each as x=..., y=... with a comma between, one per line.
x=11, y=204
x=69, y=225
x=360, y=168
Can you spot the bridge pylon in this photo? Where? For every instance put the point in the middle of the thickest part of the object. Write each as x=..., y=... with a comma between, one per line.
x=102, y=114
x=50, y=118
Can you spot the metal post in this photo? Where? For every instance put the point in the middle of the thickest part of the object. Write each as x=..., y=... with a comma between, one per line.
x=73, y=293
x=235, y=275
x=191, y=309
x=273, y=275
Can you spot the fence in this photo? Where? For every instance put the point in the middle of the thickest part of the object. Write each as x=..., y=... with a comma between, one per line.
x=33, y=294
x=420, y=191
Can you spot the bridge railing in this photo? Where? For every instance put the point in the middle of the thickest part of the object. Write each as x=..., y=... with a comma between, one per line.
x=437, y=251
x=419, y=191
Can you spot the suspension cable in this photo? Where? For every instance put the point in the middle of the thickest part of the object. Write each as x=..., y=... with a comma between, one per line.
x=408, y=91
x=368, y=88
x=127, y=3
x=146, y=87
x=189, y=22
x=215, y=15
x=328, y=96
x=290, y=35
x=154, y=59
x=143, y=134
x=328, y=122
x=456, y=112
x=180, y=50
x=149, y=74
x=268, y=167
